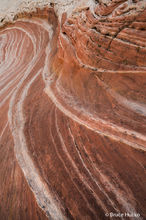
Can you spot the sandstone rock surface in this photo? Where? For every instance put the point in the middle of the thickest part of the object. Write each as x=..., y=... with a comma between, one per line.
x=73, y=110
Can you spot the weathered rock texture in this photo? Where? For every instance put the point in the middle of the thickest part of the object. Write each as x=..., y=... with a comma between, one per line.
x=73, y=112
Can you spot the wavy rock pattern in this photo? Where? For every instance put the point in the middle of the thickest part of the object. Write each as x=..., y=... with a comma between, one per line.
x=73, y=112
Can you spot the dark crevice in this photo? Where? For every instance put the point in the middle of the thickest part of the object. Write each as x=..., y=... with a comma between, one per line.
x=94, y=28
x=64, y=33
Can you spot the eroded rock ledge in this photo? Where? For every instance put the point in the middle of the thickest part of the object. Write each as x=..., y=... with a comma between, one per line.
x=73, y=110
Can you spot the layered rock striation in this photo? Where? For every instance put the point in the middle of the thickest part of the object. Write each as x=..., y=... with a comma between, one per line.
x=73, y=111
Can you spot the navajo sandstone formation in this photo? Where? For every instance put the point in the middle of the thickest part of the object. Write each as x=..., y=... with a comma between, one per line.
x=72, y=109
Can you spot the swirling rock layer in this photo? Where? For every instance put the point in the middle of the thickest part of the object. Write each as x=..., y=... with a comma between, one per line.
x=73, y=113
